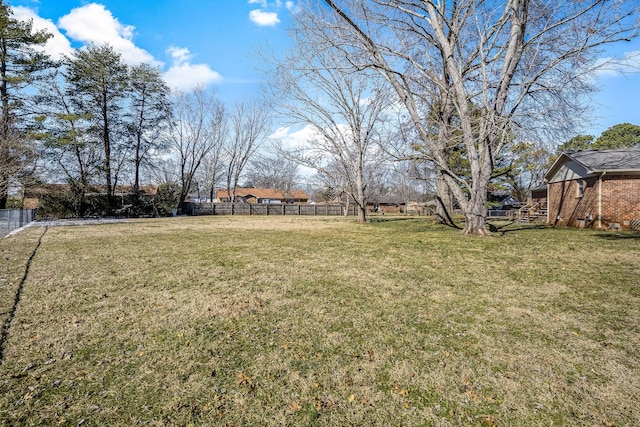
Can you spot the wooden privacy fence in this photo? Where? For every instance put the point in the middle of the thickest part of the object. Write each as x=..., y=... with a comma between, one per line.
x=267, y=209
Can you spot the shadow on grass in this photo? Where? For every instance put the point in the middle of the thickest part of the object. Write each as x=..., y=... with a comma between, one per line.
x=619, y=236
x=383, y=218
x=498, y=227
x=422, y=220
x=511, y=226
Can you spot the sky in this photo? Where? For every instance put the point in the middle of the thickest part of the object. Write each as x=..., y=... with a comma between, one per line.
x=209, y=42
x=213, y=42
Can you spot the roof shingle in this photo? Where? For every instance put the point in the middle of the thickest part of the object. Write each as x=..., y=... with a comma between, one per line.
x=621, y=159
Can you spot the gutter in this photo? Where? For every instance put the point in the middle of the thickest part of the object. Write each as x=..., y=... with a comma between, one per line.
x=617, y=171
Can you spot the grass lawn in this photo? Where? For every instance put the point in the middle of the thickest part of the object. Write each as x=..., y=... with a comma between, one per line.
x=319, y=321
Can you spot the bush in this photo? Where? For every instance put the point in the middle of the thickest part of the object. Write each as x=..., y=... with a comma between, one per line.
x=69, y=204
x=167, y=199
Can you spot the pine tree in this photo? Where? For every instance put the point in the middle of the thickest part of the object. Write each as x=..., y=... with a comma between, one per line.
x=21, y=64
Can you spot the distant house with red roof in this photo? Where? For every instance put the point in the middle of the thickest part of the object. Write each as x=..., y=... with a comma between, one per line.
x=264, y=196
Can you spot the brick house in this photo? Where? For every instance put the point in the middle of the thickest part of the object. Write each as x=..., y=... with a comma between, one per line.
x=596, y=189
x=538, y=197
x=264, y=195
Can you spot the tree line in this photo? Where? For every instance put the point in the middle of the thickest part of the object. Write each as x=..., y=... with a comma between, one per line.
x=459, y=98
x=92, y=121
x=471, y=82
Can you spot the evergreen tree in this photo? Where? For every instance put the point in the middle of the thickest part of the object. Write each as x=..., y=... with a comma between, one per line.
x=619, y=136
x=99, y=85
x=21, y=64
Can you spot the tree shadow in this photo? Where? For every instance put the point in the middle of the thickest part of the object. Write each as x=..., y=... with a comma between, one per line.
x=383, y=218
x=513, y=226
x=425, y=220
x=619, y=236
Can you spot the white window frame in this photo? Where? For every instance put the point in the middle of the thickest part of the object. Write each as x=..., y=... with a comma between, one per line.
x=580, y=188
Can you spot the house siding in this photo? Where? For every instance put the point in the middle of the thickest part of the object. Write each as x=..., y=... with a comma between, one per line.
x=620, y=201
x=569, y=171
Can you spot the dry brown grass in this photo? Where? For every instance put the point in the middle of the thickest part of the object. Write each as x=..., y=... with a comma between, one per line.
x=318, y=321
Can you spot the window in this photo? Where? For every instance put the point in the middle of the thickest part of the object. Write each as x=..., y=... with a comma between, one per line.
x=580, y=188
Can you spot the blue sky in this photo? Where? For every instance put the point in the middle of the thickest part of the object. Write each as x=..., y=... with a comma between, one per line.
x=213, y=42
x=209, y=42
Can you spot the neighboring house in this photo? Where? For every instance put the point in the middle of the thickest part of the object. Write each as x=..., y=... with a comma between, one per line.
x=264, y=195
x=504, y=202
x=388, y=204
x=538, y=197
x=599, y=189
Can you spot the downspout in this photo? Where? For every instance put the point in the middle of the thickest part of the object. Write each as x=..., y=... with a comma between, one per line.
x=600, y=199
x=548, y=204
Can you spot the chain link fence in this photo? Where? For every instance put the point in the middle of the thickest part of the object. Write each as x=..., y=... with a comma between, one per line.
x=12, y=219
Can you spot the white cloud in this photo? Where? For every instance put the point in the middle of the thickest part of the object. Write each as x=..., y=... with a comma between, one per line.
x=56, y=46
x=291, y=139
x=263, y=18
x=183, y=75
x=611, y=67
x=267, y=15
x=94, y=24
x=179, y=54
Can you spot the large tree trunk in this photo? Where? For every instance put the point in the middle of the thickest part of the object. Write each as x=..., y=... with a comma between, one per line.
x=360, y=196
x=476, y=218
x=475, y=210
x=107, y=155
x=444, y=201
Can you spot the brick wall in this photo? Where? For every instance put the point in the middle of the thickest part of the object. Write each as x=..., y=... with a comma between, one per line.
x=620, y=201
x=566, y=208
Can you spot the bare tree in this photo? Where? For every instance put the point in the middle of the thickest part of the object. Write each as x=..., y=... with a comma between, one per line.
x=211, y=174
x=273, y=171
x=249, y=125
x=198, y=117
x=212, y=170
x=315, y=86
x=530, y=163
x=473, y=72
x=150, y=113
x=333, y=183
